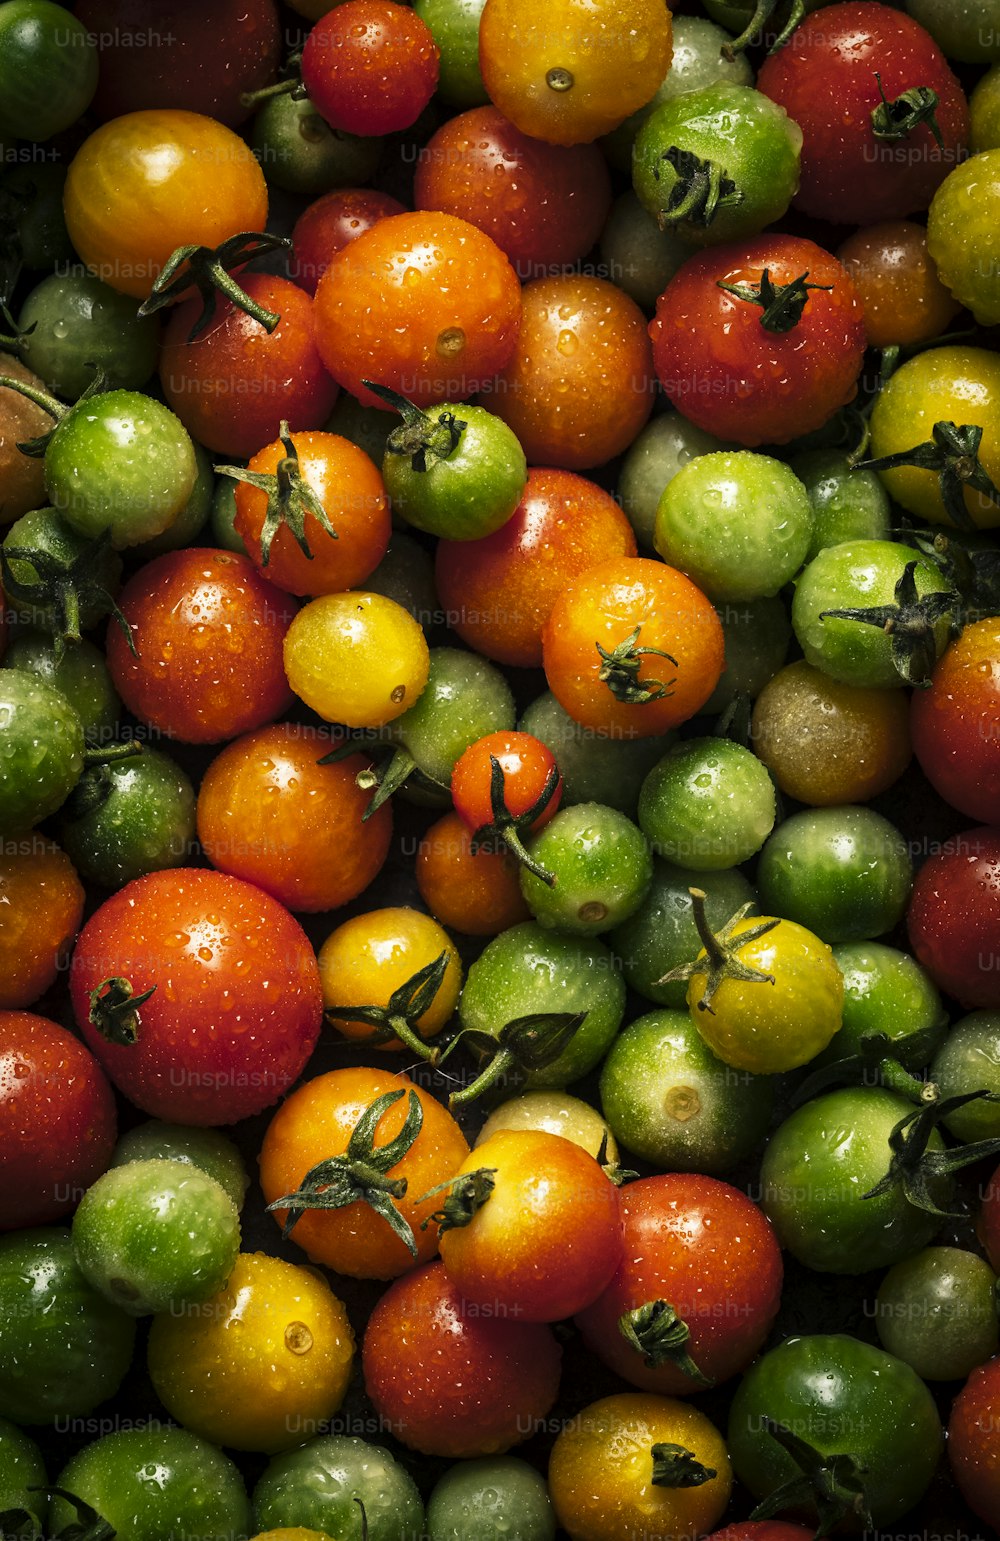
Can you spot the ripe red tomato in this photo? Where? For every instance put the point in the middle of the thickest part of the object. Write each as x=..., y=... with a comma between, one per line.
x=209, y=634
x=752, y=371
x=830, y=78
x=330, y=224
x=706, y=1250
x=527, y=766
x=954, y=917
x=972, y=1441
x=57, y=1120
x=955, y=722
x=452, y=1377
x=236, y=1003
x=370, y=66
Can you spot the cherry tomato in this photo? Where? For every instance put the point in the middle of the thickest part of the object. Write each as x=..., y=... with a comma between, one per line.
x=41, y=906
x=368, y=958
x=424, y=303
x=972, y=1441
x=330, y=224
x=454, y=1378
x=529, y=770
x=356, y=658
x=749, y=350
x=963, y=207
x=370, y=66
x=324, y=1482
x=235, y=1006
x=270, y=812
x=20, y=419
x=476, y=892
x=578, y=386
x=631, y=648
x=937, y=1312
x=57, y=1113
x=48, y=69
x=497, y=592
x=956, y=722
x=901, y=294
x=954, y=917
x=208, y=631
x=151, y=181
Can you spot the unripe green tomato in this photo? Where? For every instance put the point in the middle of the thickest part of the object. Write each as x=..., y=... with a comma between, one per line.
x=21, y=1468
x=639, y=257
x=299, y=151
x=191, y=520
x=595, y=767
x=847, y=504
x=315, y=1486
x=602, y=868
x=41, y=749
x=73, y=325
x=45, y=533
x=130, y=818
x=553, y=1112
x=406, y=574
x=208, y=1149
x=469, y=489
x=966, y=30
x=454, y=26
x=708, y=804
x=937, y=1312
x=885, y=991
x=661, y=934
x=984, y=112
x=843, y=873
x=465, y=698
x=495, y=1498
x=81, y=675
x=757, y=633
x=661, y=449
x=48, y=69
x=969, y=1061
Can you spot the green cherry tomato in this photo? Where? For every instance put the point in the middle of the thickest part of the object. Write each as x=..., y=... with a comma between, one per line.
x=465, y=698
x=708, y=804
x=157, y=1484
x=41, y=749
x=189, y=523
x=208, y=1149
x=867, y=578
x=299, y=151
x=120, y=462
x=984, y=112
x=81, y=675
x=847, y=504
x=63, y=552
x=65, y=1348
x=222, y=514
x=529, y=969
x=655, y=456
x=661, y=934
x=938, y=1312
x=718, y=163
x=156, y=1235
x=885, y=991
x=757, y=633
x=21, y=1468
x=48, y=69
x=817, y=1166
x=73, y=325
x=36, y=188
x=969, y=1061
x=669, y=1100
x=738, y=524
x=553, y=1112
x=844, y=1398
x=456, y=471
x=316, y=1484
x=968, y=30
x=454, y=26
x=845, y=873
x=601, y=866
x=494, y=1498
x=638, y=256
x=595, y=767
x=126, y=819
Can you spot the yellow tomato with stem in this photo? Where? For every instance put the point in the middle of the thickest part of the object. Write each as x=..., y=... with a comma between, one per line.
x=389, y=961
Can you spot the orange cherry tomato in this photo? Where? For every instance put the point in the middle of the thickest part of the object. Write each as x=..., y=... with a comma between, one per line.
x=314, y=1124
x=269, y=812
x=41, y=906
x=579, y=385
x=347, y=485
x=151, y=181
x=497, y=592
x=904, y=300
x=600, y=625
x=424, y=303
x=477, y=892
x=365, y=960
x=528, y=767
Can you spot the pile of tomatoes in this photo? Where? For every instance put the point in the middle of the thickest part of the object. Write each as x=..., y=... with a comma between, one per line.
x=499, y=770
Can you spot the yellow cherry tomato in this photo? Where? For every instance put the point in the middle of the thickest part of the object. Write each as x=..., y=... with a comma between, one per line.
x=262, y=1365
x=371, y=956
x=605, y=1480
x=553, y=1112
x=356, y=658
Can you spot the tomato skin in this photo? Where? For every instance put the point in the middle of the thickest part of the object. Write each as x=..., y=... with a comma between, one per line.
x=57, y=1120
x=151, y=181
x=548, y=1238
x=330, y=224
x=707, y=1249
x=603, y=606
x=955, y=722
x=356, y=658
x=971, y=1447
x=731, y=376
x=370, y=66
x=237, y=1004
x=954, y=917
x=41, y=906
x=454, y=1379
x=903, y=298
x=209, y=631
x=824, y=77
x=235, y=383
x=476, y=892
x=203, y=60
x=316, y=1122
x=424, y=303
x=526, y=763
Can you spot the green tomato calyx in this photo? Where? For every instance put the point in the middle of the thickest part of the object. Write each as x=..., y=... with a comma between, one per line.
x=831, y=1484
x=419, y=434
x=613, y=1170
x=63, y=584
x=88, y=1525
x=505, y=827
x=655, y=1331
x=895, y=120
x=620, y=671
x=676, y=1466
x=911, y=622
x=890, y=1060
x=466, y=1196
x=952, y=451
x=114, y=1010
x=924, y=1174
x=762, y=13
x=289, y=498
x=720, y=961
x=782, y=304
x=207, y=268
x=360, y=1174
x=406, y=1005
x=522, y=1045
x=700, y=189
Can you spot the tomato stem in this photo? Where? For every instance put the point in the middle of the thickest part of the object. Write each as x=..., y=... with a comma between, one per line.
x=48, y=403
x=466, y=1196
x=655, y=1331
x=64, y=586
x=207, y=268
x=700, y=189
x=398, y=1018
x=832, y=1484
x=763, y=10
x=114, y=1010
x=290, y=498
x=952, y=451
x=506, y=826
x=620, y=671
x=919, y=1171
x=720, y=962
x=385, y=779
x=782, y=304
x=676, y=1466
x=895, y=120
x=912, y=623
x=419, y=434
x=524, y=1044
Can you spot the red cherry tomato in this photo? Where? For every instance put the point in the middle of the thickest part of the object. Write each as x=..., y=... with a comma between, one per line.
x=370, y=67
x=954, y=917
x=330, y=224
x=527, y=765
x=955, y=722
x=972, y=1441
